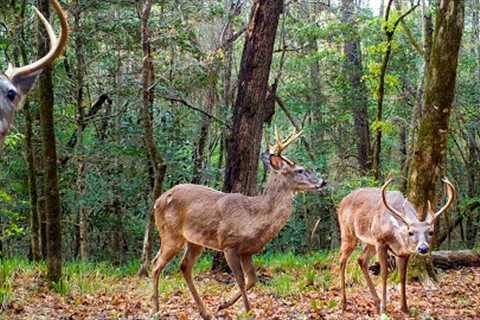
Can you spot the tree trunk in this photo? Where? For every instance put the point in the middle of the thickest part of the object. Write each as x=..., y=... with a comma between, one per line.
x=472, y=169
x=418, y=109
x=456, y=259
x=52, y=198
x=357, y=97
x=32, y=181
x=248, y=115
x=389, y=29
x=432, y=135
x=199, y=158
x=81, y=163
x=431, y=143
x=42, y=214
x=403, y=156
x=155, y=157
x=244, y=141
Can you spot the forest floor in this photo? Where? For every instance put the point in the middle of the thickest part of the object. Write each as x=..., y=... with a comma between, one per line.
x=290, y=287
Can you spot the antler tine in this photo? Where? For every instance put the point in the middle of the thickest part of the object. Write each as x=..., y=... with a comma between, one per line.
x=294, y=136
x=390, y=209
x=282, y=145
x=451, y=192
x=57, y=46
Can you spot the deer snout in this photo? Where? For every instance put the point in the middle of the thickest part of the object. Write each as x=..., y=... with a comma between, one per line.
x=423, y=248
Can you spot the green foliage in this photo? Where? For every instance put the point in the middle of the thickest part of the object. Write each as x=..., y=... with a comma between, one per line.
x=187, y=53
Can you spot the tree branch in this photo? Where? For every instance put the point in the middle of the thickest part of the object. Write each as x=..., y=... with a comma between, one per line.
x=190, y=106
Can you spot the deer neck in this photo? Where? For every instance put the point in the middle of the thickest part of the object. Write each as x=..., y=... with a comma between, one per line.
x=277, y=201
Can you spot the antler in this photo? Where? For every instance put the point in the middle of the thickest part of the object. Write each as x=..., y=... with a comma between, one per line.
x=392, y=210
x=56, y=45
x=452, y=192
x=282, y=145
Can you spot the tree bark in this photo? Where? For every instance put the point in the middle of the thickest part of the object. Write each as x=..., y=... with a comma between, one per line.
x=244, y=140
x=431, y=143
x=47, y=128
x=432, y=135
x=32, y=183
x=249, y=111
x=155, y=157
x=199, y=158
x=81, y=163
x=357, y=97
x=456, y=259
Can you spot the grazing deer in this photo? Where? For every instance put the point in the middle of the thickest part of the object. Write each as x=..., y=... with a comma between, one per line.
x=199, y=217
x=16, y=82
x=386, y=222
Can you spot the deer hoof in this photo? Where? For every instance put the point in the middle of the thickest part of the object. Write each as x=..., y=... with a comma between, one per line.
x=205, y=316
x=405, y=310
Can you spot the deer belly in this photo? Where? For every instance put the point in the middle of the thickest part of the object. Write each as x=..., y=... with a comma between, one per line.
x=202, y=237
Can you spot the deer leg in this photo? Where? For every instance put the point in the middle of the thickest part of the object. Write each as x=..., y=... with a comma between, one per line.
x=233, y=260
x=402, y=269
x=168, y=251
x=346, y=250
x=368, y=251
x=192, y=253
x=249, y=270
x=382, y=259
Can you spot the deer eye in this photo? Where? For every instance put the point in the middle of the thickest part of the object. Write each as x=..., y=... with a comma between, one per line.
x=11, y=95
x=410, y=233
x=430, y=233
x=300, y=171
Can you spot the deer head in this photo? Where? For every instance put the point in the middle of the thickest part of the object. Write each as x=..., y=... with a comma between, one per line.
x=417, y=235
x=295, y=175
x=15, y=83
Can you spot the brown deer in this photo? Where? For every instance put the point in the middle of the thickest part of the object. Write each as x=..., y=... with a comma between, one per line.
x=16, y=82
x=386, y=222
x=199, y=217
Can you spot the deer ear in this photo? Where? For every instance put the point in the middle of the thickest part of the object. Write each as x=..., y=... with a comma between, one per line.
x=24, y=83
x=276, y=162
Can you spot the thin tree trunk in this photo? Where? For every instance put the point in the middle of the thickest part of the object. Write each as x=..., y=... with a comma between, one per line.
x=403, y=157
x=81, y=163
x=32, y=180
x=30, y=156
x=357, y=98
x=389, y=30
x=155, y=157
x=472, y=169
x=52, y=197
x=199, y=157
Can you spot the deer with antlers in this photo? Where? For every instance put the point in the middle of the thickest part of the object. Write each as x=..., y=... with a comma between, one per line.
x=386, y=222
x=15, y=83
x=197, y=217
